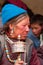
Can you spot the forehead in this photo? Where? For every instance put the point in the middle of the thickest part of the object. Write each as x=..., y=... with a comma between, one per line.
x=35, y=25
x=25, y=21
x=22, y=20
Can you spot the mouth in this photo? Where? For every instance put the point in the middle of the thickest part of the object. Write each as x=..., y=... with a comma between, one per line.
x=23, y=36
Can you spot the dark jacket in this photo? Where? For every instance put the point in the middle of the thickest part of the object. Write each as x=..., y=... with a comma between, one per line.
x=40, y=54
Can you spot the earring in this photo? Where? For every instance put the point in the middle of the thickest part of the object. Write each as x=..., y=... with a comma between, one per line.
x=11, y=32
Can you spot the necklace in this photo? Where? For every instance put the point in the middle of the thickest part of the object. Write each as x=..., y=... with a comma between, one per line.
x=8, y=56
x=7, y=52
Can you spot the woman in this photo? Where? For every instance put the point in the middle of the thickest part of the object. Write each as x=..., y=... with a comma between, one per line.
x=16, y=24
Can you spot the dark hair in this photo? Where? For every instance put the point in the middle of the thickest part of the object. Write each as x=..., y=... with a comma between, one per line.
x=4, y=3
x=37, y=19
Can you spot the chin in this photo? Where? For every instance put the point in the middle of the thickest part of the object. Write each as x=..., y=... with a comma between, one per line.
x=23, y=38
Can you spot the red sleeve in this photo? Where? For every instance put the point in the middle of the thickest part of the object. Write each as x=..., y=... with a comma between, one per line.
x=34, y=58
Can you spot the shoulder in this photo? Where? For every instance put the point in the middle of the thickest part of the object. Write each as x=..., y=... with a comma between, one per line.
x=29, y=41
x=2, y=40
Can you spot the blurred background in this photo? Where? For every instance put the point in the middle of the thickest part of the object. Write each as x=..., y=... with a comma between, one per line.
x=35, y=5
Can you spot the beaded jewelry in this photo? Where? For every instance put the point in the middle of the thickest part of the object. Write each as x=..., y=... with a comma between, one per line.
x=8, y=56
x=7, y=52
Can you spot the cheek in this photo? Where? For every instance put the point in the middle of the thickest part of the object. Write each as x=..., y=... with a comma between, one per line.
x=35, y=31
x=39, y=30
x=17, y=32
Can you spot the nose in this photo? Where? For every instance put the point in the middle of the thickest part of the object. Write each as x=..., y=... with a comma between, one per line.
x=27, y=28
x=34, y=30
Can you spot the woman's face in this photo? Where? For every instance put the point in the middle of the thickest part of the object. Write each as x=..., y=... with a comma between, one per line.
x=36, y=28
x=21, y=28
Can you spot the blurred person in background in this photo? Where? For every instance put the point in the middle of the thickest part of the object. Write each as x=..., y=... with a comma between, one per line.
x=36, y=29
x=35, y=33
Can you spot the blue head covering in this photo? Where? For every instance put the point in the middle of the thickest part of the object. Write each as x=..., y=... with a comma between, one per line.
x=9, y=11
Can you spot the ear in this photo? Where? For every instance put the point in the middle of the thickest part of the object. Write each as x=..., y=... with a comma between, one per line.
x=10, y=26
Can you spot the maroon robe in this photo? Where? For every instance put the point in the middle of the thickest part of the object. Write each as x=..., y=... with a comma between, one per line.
x=33, y=61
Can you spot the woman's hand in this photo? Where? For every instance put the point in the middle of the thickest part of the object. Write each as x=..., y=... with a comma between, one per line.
x=19, y=62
